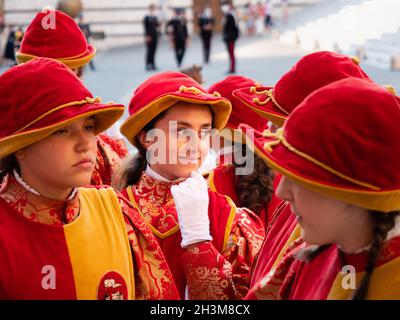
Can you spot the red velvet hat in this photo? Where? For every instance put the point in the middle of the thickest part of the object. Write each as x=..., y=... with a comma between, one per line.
x=241, y=113
x=66, y=42
x=310, y=73
x=41, y=96
x=160, y=92
x=343, y=142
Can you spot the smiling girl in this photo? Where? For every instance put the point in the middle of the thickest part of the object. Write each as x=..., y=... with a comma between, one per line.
x=208, y=242
x=59, y=240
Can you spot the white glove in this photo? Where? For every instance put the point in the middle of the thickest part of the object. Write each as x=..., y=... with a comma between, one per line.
x=191, y=203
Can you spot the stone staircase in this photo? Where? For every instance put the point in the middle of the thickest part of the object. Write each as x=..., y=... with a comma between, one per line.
x=366, y=28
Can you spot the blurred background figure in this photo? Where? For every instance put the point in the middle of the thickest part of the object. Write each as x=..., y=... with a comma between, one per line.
x=178, y=34
x=152, y=26
x=230, y=31
x=268, y=17
x=260, y=17
x=12, y=45
x=285, y=10
x=206, y=25
x=85, y=27
x=249, y=17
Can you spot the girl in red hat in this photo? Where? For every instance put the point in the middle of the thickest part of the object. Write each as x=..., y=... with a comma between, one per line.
x=53, y=34
x=328, y=153
x=252, y=186
x=58, y=239
x=208, y=242
x=275, y=104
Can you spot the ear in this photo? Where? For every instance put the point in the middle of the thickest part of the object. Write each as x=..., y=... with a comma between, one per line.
x=142, y=139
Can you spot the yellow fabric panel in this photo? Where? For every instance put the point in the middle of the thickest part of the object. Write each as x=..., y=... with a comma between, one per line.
x=384, y=285
x=296, y=233
x=104, y=244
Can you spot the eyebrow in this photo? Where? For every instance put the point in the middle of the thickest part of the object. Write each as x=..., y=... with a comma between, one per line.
x=182, y=123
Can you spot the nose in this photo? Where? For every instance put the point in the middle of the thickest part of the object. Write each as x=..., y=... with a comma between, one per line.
x=83, y=141
x=283, y=191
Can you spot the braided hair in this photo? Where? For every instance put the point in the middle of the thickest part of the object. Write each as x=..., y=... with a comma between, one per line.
x=383, y=223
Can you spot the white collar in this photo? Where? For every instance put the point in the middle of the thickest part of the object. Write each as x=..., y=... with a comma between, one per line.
x=159, y=177
x=32, y=190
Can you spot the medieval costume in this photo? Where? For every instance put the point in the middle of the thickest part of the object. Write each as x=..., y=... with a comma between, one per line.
x=53, y=34
x=93, y=245
x=213, y=269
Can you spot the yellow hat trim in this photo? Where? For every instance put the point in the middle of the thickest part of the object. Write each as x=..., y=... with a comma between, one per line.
x=281, y=139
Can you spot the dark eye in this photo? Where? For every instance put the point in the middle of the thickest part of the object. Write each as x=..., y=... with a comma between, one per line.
x=61, y=131
x=206, y=132
x=183, y=132
x=89, y=127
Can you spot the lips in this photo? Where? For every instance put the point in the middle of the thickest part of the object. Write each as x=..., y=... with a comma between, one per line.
x=85, y=163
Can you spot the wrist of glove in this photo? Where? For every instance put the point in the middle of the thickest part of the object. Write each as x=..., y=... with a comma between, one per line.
x=191, y=203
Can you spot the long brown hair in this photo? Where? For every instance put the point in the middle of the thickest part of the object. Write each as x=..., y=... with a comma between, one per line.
x=7, y=165
x=255, y=190
x=132, y=172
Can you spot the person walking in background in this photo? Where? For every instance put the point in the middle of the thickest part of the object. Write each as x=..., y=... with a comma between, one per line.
x=230, y=31
x=285, y=10
x=206, y=25
x=151, y=34
x=268, y=17
x=85, y=27
x=177, y=31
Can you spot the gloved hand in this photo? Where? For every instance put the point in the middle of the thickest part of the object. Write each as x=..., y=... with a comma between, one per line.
x=191, y=203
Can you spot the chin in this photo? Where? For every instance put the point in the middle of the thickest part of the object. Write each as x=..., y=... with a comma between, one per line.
x=80, y=182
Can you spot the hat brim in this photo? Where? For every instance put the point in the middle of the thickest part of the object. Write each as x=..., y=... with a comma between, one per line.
x=319, y=180
x=105, y=116
x=220, y=107
x=267, y=111
x=71, y=62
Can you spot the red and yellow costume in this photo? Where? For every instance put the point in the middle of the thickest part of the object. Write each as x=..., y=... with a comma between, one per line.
x=213, y=270
x=91, y=246
x=275, y=104
x=67, y=44
x=92, y=240
x=298, y=153
x=219, y=269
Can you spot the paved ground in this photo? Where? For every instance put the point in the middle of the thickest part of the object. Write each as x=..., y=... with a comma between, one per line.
x=262, y=58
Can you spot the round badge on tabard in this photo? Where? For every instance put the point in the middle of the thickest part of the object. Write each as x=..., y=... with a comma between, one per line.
x=112, y=286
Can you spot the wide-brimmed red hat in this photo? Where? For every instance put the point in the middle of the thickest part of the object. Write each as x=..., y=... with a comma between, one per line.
x=53, y=34
x=41, y=96
x=343, y=142
x=310, y=73
x=241, y=113
x=160, y=92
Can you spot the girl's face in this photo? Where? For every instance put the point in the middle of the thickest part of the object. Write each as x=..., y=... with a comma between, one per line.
x=325, y=220
x=186, y=129
x=62, y=161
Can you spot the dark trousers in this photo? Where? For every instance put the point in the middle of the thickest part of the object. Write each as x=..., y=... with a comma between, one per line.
x=230, y=45
x=206, y=47
x=150, y=53
x=180, y=47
